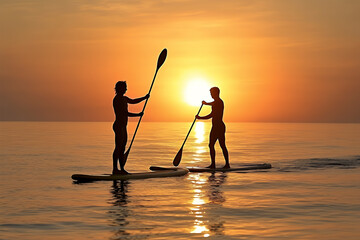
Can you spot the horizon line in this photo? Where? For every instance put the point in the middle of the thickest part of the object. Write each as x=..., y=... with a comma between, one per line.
x=75, y=121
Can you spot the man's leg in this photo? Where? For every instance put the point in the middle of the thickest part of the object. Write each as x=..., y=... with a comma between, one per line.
x=116, y=155
x=122, y=159
x=212, y=142
x=224, y=150
x=122, y=151
x=115, y=159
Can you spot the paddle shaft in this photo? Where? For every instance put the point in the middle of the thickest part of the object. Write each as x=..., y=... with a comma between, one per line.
x=137, y=126
x=191, y=127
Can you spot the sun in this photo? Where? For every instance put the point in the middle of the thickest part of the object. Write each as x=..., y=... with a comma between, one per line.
x=197, y=90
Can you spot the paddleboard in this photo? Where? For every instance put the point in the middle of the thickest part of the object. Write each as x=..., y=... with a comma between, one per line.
x=202, y=169
x=141, y=175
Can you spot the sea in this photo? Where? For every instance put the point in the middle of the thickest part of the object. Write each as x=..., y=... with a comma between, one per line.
x=312, y=190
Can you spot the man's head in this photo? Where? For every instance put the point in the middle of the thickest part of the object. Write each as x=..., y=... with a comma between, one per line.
x=215, y=92
x=120, y=87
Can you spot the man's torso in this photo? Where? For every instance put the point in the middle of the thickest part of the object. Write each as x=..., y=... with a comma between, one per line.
x=121, y=110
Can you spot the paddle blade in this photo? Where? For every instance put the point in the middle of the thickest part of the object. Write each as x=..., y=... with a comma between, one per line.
x=161, y=58
x=177, y=158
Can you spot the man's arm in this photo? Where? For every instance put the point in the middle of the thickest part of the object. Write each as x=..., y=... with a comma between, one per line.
x=135, y=114
x=206, y=103
x=137, y=100
x=207, y=116
x=204, y=117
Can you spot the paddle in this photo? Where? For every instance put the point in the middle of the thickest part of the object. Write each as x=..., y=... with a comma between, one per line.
x=160, y=62
x=178, y=156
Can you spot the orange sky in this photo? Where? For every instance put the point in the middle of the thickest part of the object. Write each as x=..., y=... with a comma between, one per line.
x=274, y=60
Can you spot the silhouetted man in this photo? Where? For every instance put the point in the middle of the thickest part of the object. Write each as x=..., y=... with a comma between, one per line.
x=218, y=126
x=120, y=104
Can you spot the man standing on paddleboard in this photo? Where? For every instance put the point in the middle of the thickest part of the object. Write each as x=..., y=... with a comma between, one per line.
x=218, y=126
x=120, y=104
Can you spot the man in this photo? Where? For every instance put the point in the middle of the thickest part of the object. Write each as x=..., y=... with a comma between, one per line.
x=218, y=127
x=120, y=104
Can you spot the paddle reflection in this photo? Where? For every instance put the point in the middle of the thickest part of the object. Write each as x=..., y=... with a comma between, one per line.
x=120, y=212
x=207, y=198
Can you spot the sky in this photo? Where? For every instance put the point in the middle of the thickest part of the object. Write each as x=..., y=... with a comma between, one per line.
x=273, y=60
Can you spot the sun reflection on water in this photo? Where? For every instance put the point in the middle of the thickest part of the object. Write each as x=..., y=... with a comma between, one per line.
x=207, y=197
x=196, y=205
x=199, y=138
x=199, y=132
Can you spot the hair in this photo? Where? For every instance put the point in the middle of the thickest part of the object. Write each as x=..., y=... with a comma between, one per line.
x=215, y=90
x=120, y=86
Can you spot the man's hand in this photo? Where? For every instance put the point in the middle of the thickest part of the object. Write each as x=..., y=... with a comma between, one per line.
x=147, y=96
x=197, y=116
x=141, y=114
x=203, y=102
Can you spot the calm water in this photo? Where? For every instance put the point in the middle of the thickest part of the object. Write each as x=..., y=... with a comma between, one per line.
x=312, y=192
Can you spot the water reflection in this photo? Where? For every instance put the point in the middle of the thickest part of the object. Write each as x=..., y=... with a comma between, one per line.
x=207, y=198
x=120, y=212
x=197, y=209
x=199, y=132
x=216, y=198
x=199, y=138
x=215, y=194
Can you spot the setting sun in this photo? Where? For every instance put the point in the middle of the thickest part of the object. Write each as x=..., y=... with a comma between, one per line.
x=197, y=90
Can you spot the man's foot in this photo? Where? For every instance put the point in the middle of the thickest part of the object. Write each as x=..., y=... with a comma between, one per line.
x=226, y=166
x=120, y=172
x=116, y=172
x=123, y=172
x=212, y=166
